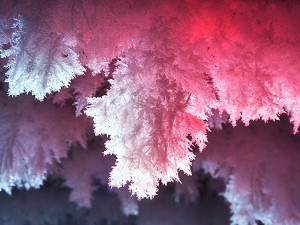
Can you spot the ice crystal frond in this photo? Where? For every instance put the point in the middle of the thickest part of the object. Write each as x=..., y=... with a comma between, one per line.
x=40, y=60
x=148, y=74
x=33, y=137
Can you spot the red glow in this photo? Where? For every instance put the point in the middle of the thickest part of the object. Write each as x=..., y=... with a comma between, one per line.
x=175, y=66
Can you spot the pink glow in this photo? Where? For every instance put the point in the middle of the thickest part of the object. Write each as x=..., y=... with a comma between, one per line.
x=148, y=74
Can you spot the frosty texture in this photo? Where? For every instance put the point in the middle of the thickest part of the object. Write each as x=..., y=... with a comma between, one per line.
x=152, y=75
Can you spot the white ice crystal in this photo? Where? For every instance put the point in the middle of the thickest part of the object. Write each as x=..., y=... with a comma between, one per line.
x=40, y=61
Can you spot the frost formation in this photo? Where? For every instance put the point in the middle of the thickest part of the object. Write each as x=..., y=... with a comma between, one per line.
x=152, y=76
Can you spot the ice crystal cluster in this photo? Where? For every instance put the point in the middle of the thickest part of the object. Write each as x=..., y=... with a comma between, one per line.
x=152, y=78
